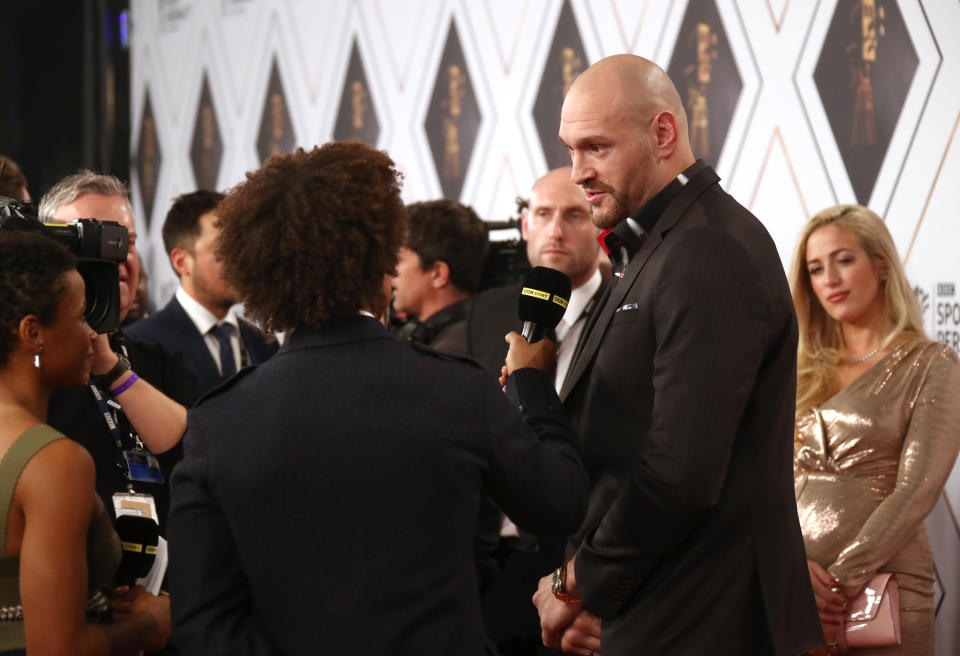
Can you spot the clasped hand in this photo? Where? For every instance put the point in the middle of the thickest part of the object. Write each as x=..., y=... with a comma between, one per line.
x=568, y=627
x=832, y=607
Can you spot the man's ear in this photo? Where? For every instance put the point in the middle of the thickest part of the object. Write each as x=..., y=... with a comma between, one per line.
x=666, y=134
x=178, y=259
x=524, y=217
x=440, y=271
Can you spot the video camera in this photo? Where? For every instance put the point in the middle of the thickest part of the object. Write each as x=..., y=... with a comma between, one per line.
x=506, y=261
x=98, y=247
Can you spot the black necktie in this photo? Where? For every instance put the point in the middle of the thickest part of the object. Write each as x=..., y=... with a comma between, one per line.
x=228, y=365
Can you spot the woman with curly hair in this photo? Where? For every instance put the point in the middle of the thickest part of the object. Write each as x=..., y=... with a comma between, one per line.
x=878, y=423
x=327, y=500
x=58, y=550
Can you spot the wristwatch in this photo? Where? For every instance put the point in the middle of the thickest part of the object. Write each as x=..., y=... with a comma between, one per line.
x=559, y=587
x=105, y=381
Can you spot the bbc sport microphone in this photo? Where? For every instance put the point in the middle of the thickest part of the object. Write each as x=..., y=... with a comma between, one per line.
x=542, y=302
x=138, y=539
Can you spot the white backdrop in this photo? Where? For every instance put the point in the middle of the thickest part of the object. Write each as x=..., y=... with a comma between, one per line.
x=800, y=104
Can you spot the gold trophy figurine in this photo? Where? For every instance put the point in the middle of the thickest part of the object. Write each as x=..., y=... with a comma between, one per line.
x=706, y=41
x=864, y=127
x=358, y=103
x=451, y=129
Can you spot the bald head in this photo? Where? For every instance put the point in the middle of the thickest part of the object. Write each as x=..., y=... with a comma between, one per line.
x=557, y=228
x=634, y=88
x=626, y=128
x=557, y=178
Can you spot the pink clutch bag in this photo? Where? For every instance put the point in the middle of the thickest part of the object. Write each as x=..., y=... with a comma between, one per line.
x=874, y=617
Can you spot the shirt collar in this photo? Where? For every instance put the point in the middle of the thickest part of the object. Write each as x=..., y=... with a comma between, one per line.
x=437, y=322
x=580, y=296
x=624, y=239
x=203, y=318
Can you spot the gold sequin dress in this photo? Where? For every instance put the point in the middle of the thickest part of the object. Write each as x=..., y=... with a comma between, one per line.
x=869, y=466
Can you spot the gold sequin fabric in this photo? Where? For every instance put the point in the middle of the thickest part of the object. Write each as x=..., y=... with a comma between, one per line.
x=869, y=466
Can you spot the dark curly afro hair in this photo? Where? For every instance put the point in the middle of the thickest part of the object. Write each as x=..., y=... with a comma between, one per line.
x=308, y=238
x=32, y=281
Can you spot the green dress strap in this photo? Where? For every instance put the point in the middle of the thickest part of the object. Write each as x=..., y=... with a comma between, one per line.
x=11, y=467
x=14, y=461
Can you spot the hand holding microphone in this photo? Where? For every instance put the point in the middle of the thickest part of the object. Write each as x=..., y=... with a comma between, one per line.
x=541, y=305
x=139, y=537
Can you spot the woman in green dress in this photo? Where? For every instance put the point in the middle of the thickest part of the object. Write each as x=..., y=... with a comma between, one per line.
x=878, y=424
x=58, y=550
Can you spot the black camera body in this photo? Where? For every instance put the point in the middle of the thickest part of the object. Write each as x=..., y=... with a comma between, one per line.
x=98, y=246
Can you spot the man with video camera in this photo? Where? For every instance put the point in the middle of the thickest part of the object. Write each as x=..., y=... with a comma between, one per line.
x=132, y=414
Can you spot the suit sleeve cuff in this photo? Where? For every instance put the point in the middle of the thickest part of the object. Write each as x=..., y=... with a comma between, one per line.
x=532, y=391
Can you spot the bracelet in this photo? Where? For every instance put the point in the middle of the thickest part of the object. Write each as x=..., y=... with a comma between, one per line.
x=105, y=380
x=559, y=587
x=125, y=385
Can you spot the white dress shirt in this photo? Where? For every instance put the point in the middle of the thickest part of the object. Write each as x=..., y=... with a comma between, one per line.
x=569, y=329
x=204, y=320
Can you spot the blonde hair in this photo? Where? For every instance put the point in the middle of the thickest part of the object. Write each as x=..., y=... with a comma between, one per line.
x=820, y=334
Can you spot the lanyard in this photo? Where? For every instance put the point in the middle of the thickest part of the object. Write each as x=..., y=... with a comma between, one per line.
x=110, y=410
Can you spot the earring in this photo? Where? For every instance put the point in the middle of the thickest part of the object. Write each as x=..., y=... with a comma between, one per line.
x=883, y=277
x=36, y=357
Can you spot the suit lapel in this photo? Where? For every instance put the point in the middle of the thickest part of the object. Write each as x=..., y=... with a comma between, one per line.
x=591, y=342
x=594, y=332
x=194, y=346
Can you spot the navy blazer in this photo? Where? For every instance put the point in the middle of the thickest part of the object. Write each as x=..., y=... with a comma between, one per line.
x=328, y=498
x=173, y=328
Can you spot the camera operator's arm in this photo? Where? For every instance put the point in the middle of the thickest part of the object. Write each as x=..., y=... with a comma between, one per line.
x=159, y=420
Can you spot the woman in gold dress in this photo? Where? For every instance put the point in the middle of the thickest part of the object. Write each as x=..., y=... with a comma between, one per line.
x=878, y=423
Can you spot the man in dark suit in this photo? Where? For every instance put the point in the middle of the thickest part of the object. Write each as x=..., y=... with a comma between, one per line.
x=327, y=499
x=199, y=320
x=682, y=392
x=558, y=233
x=438, y=272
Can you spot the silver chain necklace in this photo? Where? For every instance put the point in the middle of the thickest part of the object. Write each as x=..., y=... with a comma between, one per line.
x=861, y=358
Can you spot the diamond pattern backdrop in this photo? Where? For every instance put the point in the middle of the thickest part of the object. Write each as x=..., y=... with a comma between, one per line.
x=799, y=104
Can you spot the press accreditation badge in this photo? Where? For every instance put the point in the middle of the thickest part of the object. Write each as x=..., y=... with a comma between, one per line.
x=138, y=505
x=143, y=467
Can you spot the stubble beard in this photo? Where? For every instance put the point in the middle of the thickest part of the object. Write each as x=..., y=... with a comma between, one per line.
x=605, y=218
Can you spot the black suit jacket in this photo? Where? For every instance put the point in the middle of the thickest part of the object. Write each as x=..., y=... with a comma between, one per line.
x=492, y=315
x=683, y=394
x=327, y=498
x=74, y=412
x=172, y=328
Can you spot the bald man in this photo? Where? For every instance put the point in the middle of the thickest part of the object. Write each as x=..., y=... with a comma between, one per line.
x=559, y=234
x=682, y=393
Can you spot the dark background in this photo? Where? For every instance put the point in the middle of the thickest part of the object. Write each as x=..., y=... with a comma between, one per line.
x=65, y=85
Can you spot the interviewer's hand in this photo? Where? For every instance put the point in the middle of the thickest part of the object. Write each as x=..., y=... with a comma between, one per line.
x=158, y=606
x=121, y=600
x=541, y=355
